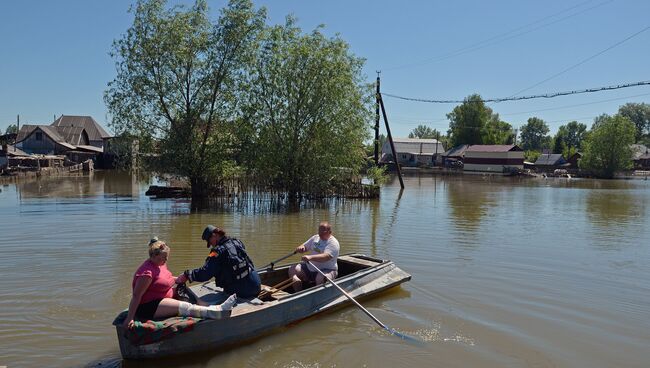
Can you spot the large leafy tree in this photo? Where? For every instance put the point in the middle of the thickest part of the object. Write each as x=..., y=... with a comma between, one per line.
x=467, y=121
x=534, y=134
x=497, y=131
x=424, y=132
x=309, y=107
x=607, y=148
x=177, y=81
x=569, y=138
x=639, y=114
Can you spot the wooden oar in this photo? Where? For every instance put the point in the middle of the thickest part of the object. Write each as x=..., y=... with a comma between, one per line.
x=276, y=261
x=380, y=323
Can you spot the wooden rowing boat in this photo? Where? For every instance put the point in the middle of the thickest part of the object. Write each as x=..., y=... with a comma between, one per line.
x=359, y=275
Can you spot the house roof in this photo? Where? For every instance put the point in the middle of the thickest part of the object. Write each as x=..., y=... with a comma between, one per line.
x=94, y=130
x=493, y=148
x=71, y=134
x=90, y=148
x=550, y=159
x=50, y=131
x=414, y=146
x=638, y=150
x=25, y=131
x=456, y=151
x=13, y=151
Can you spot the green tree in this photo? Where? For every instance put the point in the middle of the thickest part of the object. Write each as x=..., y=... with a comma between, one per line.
x=178, y=75
x=12, y=129
x=497, y=131
x=310, y=108
x=467, y=121
x=607, y=148
x=639, y=114
x=424, y=132
x=569, y=138
x=534, y=135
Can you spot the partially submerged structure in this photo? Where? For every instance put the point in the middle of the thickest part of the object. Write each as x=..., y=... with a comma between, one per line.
x=79, y=138
x=550, y=162
x=413, y=151
x=454, y=156
x=493, y=158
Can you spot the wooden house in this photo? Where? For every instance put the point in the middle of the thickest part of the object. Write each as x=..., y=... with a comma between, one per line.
x=493, y=158
x=550, y=162
x=454, y=156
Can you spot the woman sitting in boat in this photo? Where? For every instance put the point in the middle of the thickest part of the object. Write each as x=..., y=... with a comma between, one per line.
x=323, y=251
x=153, y=294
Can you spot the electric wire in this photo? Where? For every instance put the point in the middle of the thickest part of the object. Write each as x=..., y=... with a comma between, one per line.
x=530, y=97
x=499, y=38
x=583, y=61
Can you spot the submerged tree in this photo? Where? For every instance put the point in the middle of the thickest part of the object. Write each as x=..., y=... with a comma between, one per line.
x=177, y=82
x=607, y=148
x=310, y=109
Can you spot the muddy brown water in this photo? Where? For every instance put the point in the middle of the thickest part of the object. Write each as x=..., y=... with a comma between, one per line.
x=506, y=272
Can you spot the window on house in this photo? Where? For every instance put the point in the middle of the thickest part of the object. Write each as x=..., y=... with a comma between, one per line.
x=39, y=136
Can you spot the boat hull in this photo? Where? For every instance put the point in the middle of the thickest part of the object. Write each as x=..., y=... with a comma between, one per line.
x=250, y=322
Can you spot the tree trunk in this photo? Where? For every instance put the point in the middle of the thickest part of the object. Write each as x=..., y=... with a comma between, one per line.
x=200, y=189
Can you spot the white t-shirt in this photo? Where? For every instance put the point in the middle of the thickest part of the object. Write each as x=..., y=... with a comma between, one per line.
x=316, y=245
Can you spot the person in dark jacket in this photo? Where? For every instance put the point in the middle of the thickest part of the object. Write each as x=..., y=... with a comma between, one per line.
x=228, y=263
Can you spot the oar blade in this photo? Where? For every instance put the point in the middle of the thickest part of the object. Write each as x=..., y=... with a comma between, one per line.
x=407, y=338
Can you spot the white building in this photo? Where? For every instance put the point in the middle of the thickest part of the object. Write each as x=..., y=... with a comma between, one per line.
x=413, y=151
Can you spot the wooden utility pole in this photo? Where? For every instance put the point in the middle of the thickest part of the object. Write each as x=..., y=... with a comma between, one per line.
x=377, y=122
x=390, y=136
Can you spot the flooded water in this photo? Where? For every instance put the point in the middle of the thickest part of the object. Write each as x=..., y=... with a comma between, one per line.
x=506, y=272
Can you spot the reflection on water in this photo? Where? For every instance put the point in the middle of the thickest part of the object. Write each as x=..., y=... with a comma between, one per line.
x=506, y=272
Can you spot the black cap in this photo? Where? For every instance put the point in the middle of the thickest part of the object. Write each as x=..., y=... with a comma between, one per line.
x=207, y=233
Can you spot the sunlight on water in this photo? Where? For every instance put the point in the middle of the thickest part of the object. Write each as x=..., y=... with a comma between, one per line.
x=505, y=272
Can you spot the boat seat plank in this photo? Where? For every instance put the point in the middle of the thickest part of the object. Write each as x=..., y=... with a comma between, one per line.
x=355, y=260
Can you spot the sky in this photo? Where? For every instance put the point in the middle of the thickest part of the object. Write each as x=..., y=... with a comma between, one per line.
x=54, y=55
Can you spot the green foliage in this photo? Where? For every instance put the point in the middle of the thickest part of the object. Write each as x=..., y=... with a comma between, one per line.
x=607, y=149
x=178, y=82
x=424, y=132
x=370, y=147
x=497, y=132
x=639, y=114
x=377, y=174
x=467, y=121
x=12, y=129
x=569, y=138
x=534, y=135
x=310, y=108
x=474, y=123
x=531, y=156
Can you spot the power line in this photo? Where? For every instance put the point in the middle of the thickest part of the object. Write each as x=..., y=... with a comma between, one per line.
x=502, y=36
x=546, y=95
x=583, y=61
